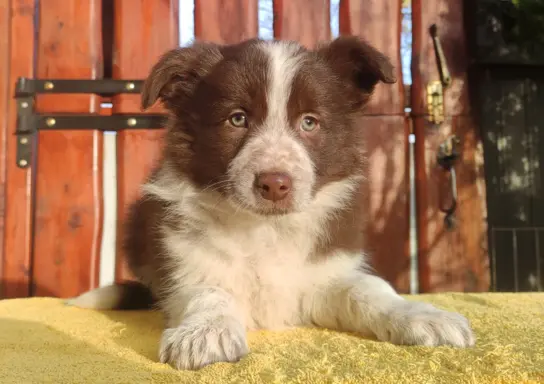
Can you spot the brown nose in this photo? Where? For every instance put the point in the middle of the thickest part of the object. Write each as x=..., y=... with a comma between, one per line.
x=273, y=186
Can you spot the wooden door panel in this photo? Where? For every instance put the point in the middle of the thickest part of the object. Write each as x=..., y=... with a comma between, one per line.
x=386, y=191
x=144, y=30
x=301, y=21
x=5, y=33
x=226, y=21
x=449, y=259
x=16, y=256
x=68, y=211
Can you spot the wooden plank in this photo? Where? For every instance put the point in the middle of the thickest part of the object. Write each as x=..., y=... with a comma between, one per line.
x=226, y=21
x=386, y=143
x=299, y=20
x=69, y=174
x=5, y=26
x=449, y=259
x=15, y=271
x=144, y=30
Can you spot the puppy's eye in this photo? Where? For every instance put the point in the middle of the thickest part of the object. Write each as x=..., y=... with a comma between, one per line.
x=308, y=123
x=238, y=120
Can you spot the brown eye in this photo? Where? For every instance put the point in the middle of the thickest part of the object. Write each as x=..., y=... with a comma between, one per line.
x=238, y=120
x=308, y=123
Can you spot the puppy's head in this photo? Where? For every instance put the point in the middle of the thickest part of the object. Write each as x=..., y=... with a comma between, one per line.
x=266, y=124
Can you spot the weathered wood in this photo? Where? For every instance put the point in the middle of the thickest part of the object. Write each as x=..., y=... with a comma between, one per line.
x=144, y=30
x=15, y=271
x=308, y=23
x=449, y=259
x=5, y=25
x=386, y=143
x=68, y=214
x=226, y=21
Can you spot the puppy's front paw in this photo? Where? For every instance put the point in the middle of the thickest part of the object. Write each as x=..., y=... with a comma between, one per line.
x=422, y=324
x=199, y=342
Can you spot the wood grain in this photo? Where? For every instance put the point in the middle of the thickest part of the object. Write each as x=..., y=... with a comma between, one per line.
x=68, y=216
x=385, y=126
x=226, y=21
x=5, y=25
x=16, y=268
x=308, y=23
x=144, y=30
x=457, y=259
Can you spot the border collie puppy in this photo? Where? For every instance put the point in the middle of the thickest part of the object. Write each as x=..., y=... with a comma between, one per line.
x=253, y=218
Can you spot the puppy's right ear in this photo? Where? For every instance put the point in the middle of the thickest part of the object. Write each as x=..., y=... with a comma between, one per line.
x=176, y=74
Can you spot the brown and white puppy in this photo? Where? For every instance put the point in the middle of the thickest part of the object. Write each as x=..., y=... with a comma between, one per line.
x=253, y=217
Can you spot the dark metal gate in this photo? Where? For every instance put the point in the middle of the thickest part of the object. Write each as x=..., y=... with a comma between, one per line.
x=509, y=79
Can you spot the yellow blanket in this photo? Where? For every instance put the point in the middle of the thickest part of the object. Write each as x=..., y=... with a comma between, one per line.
x=43, y=341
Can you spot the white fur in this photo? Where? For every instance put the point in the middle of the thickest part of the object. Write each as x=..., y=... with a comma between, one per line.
x=100, y=298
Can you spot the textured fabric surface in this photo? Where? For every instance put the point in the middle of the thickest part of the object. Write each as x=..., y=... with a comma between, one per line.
x=43, y=341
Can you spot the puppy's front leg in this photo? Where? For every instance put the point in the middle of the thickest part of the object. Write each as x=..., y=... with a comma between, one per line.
x=366, y=304
x=203, y=327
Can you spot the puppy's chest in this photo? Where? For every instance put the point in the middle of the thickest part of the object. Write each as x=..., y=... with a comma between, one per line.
x=259, y=255
x=265, y=268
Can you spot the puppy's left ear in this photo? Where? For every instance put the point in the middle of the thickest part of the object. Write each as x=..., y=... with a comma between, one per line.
x=358, y=63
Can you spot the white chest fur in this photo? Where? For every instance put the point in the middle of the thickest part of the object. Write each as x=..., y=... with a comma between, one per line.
x=264, y=263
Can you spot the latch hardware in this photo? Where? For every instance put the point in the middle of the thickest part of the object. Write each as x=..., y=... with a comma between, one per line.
x=435, y=102
x=29, y=122
x=448, y=154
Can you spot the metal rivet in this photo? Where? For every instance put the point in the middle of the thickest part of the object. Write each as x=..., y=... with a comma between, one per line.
x=50, y=122
x=130, y=86
x=24, y=104
x=23, y=163
x=48, y=85
x=131, y=122
x=23, y=140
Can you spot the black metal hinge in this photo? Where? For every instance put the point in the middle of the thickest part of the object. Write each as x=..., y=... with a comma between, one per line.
x=29, y=122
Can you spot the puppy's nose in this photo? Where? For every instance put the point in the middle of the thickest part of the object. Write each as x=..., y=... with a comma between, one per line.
x=273, y=186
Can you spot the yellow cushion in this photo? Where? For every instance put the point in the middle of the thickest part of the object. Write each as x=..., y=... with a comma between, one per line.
x=41, y=340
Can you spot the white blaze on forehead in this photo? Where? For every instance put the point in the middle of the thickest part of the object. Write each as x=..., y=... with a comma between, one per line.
x=284, y=62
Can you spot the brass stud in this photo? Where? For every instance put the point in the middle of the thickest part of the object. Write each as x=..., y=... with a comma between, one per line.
x=23, y=140
x=50, y=122
x=49, y=85
x=130, y=86
x=23, y=163
x=131, y=122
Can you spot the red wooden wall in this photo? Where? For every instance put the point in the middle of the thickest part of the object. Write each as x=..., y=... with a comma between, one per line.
x=17, y=60
x=51, y=213
x=68, y=194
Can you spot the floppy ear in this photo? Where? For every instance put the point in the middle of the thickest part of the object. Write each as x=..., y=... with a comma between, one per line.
x=358, y=63
x=177, y=73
